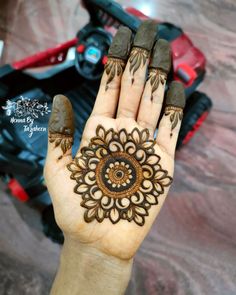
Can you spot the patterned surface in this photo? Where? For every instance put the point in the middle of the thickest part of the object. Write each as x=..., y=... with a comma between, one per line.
x=192, y=247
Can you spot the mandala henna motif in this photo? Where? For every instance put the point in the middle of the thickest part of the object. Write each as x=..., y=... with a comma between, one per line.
x=156, y=77
x=176, y=114
x=113, y=67
x=118, y=176
x=138, y=58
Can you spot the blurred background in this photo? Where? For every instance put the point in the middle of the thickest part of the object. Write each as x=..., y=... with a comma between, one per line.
x=191, y=248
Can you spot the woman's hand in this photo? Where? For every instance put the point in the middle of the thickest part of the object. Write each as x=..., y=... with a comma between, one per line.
x=108, y=196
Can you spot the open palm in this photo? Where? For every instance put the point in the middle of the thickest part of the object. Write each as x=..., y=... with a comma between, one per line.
x=109, y=195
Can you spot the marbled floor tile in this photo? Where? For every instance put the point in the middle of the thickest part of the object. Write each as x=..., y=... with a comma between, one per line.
x=17, y=277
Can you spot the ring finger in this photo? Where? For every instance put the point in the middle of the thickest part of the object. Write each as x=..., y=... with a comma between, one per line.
x=152, y=98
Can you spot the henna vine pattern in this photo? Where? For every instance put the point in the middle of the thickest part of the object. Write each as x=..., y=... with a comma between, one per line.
x=138, y=58
x=156, y=77
x=176, y=114
x=119, y=176
x=113, y=67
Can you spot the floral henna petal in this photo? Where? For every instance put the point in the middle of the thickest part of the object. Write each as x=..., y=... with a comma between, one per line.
x=139, y=220
x=114, y=215
x=120, y=180
x=90, y=214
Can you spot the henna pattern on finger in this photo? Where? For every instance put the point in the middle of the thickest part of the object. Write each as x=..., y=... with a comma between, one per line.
x=142, y=46
x=138, y=58
x=118, y=54
x=119, y=176
x=160, y=64
x=175, y=103
x=61, y=124
x=176, y=115
x=156, y=77
x=113, y=67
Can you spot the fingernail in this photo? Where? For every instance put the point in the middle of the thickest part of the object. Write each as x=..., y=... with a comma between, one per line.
x=161, y=56
x=176, y=95
x=146, y=35
x=121, y=43
x=62, y=119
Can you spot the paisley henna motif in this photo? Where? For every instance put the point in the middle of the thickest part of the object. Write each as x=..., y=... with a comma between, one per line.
x=118, y=176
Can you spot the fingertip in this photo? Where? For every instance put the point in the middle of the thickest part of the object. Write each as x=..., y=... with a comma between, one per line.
x=161, y=56
x=176, y=95
x=61, y=128
x=62, y=116
x=121, y=43
x=146, y=35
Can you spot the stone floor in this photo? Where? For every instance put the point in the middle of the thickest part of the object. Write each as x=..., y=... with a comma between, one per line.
x=191, y=248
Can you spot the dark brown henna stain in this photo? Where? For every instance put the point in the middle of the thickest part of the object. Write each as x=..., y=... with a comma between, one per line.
x=120, y=46
x=119, y=176
x=143, y=42
x=159, y=66
x=161, y=56
x=156, y=77
x=61, y=123
x=146, y=35
x=118, y=53
x=175, y=103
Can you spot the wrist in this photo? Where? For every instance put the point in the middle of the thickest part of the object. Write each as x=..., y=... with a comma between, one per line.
x=84, y=269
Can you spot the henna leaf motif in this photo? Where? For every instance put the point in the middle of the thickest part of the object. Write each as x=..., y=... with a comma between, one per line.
x=176, y=115
x=113, y=67
x=119, y=176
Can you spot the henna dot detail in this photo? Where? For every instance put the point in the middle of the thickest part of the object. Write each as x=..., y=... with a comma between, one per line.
x=118, y=176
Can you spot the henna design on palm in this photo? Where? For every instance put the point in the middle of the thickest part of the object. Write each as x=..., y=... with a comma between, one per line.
x=119, y=176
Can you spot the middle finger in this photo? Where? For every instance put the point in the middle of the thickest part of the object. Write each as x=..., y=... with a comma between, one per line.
x=134, y=76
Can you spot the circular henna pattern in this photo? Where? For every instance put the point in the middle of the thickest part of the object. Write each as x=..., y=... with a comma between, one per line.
x=119, y=176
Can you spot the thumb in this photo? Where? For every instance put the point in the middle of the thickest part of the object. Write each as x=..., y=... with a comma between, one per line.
x=61, y=131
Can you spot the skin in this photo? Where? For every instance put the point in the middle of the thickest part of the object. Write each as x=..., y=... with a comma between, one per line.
x=97, y=257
